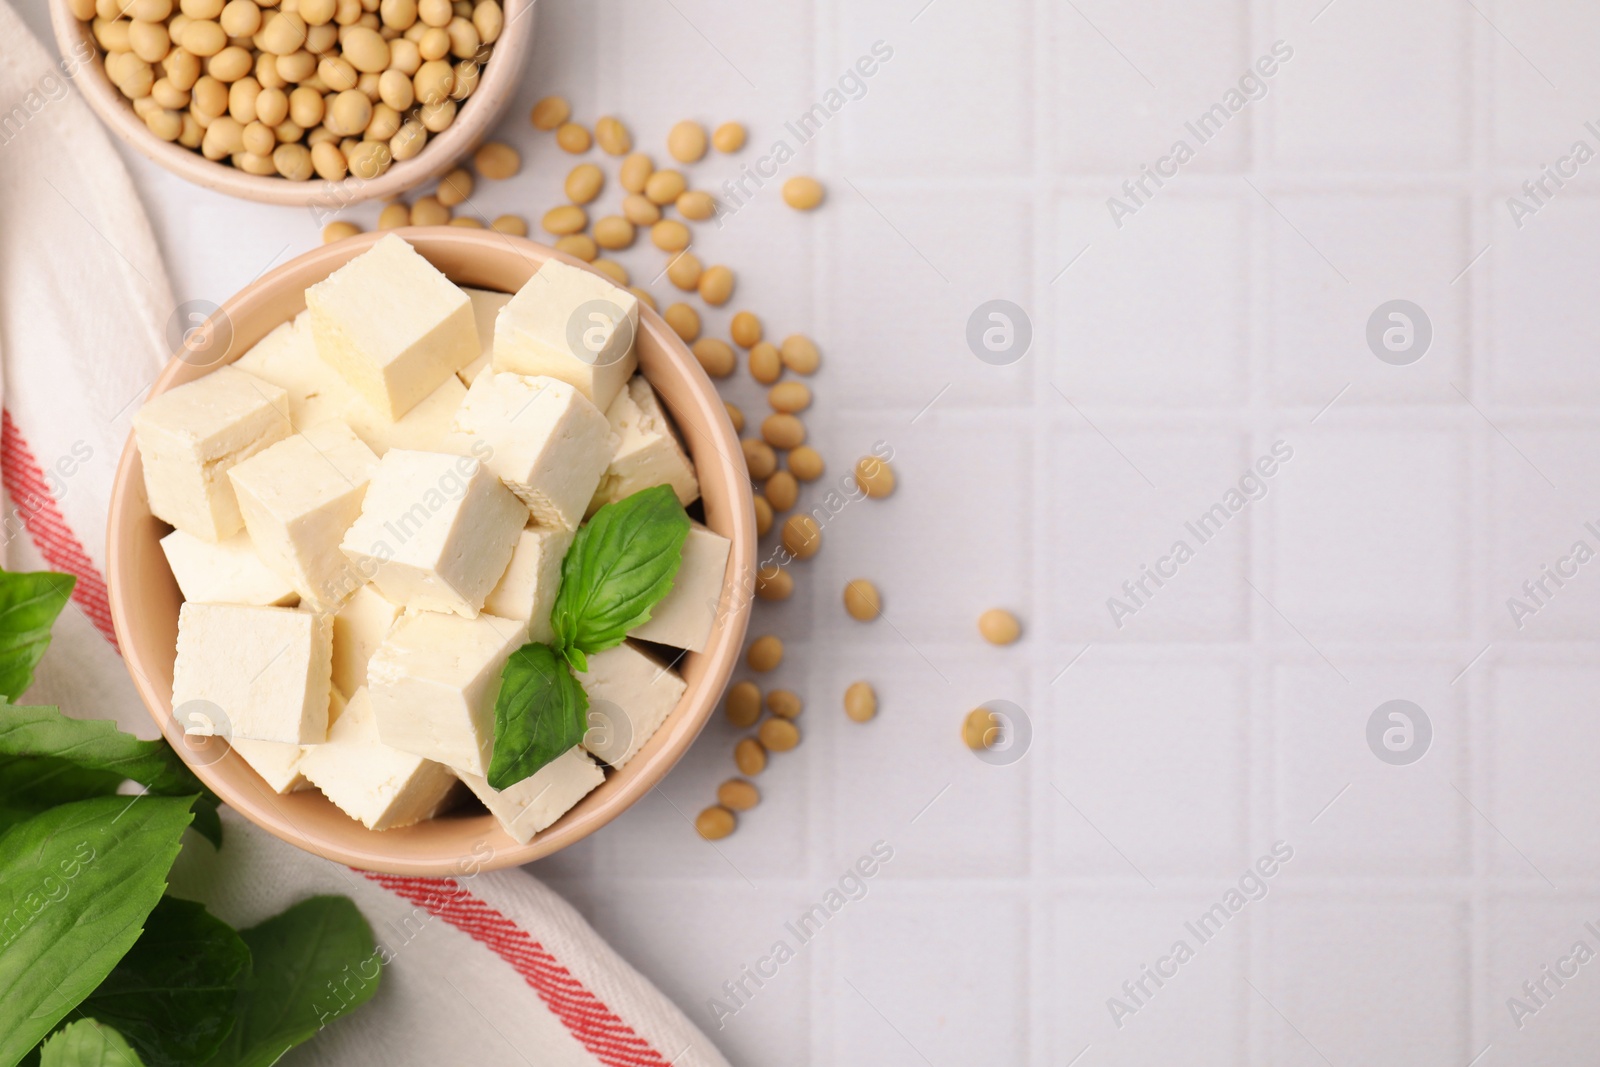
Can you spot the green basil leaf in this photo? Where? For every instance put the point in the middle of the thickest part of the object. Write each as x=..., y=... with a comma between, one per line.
x=29, y=604
x=620, y=565
x=540, y=712
x=88, y=1044
x=312, y=964
x=31, y=784
x=172, y=996
x=97, y=745
x=76, y=882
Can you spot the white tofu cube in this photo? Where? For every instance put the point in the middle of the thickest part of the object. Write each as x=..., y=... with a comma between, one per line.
x=358, y=629
x=190, y=436
x=278, y=764
x=380, y=787
x=683, y=618
x=433, y=683
x=632, y=693
x=436, y=531
x=528, y=588
x=486, y=305
x=287, y=357
x=268, y=671
x=392, y=325
x=541, y=438
x=298, y=498
x=227, y=572
x=572, y=324
x=543, y=797
x=648, y=452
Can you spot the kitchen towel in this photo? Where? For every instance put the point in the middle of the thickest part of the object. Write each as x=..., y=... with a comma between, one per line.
x=488, y=968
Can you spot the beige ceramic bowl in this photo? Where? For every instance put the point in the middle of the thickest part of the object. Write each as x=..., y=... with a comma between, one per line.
x=145, y=599
x=488, y=102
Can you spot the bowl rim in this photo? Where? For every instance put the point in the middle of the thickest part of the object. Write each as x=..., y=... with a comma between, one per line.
x=720, y=657
x=496, y=89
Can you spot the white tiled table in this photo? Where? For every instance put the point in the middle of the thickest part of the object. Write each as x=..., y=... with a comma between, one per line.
x=1230, y=713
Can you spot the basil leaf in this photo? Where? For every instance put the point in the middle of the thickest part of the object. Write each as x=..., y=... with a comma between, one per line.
x=620, y=565
x=31, y=784
x=88, y=1044
x=29, y=604
x=97, y=745
x=312, y=964
x=172, y=995
x=76, y=882
x=540, y=712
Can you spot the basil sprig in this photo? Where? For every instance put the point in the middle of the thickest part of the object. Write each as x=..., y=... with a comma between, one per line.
x=621, y=564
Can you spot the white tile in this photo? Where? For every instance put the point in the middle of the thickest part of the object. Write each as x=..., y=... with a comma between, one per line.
x=1365, y=981
x=1543, y=795
x=956, y=489
x=1153, y=312
x=910, y=271
x=1544, y=578
x=1155, y=67
x=1098, y=944
x=1531, y=942
x=1544, y=325
x=1147, y=762
x=1349, y=812
x=1371, y=85
x=904, y=775
x=1544, y=80
x=661, y=926
x=1369, y=537
x=916, y=116
x=969, y=1003
x=1121, y=503
x=1390, y=247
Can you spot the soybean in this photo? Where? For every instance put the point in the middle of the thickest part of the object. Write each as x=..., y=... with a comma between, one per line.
x=774, y=583
x=573, y=138
x=805, y=463
x=338, y=231
x=736, y=794
x=716, y=358
x=750, y=757
x=635, y=172
x=778, y=735
x=999, y=627
x=765, y=366
x=745, y=328
x=765, y=653
x=802, y=194
x=735, y=416
x=684, y=271
x=715, y=823
x=764, y=516
x=613, y=232
x=665, y=186
x=612, y=136
x=789, y=397
x=564, y=220
x=782, y=490
x=670, y=235
x=686, y=142
x=613, y=270
x=729, y=137
x=696, y=206
x=759, y=457
x=550, y=113
x=861, y=600
x=684, y=320
x=875, y=477
x=860, y=701
x=800, y=354
x=584, y=183
x=716, y=285
x=743, y=704
x=802, y=536
x=579, y=246
x=785, y=704
x=514, y=225
x=980, y=729
x=496, y=160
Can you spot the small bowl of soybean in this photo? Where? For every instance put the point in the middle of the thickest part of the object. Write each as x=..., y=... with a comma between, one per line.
x=319, y=103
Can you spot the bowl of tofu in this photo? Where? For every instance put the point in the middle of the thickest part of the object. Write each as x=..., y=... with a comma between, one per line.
x=345, y=505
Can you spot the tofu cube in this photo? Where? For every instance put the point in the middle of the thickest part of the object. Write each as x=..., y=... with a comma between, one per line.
x=648, y=451
x=190, y=436
x=683, y=618
x=435, y=532
x=541, y=798
x=541, y=437
x=298, y=498
x=267, y=671
x=287, y=357
x=380, y=787
x=632, y=693
x=572, y=324
x=392, y=325
x=528, y=588
x=278, y=764
x=358, y=629
x=227, y=572
x=486, y=305
x=433, y=683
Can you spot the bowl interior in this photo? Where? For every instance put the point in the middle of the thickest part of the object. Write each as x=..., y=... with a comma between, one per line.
x=496, y=89
x=145, y=598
